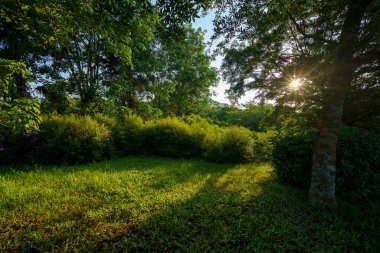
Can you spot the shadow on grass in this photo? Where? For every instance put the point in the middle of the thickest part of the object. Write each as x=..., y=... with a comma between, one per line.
x=259, y=216
x=50, y=207
x=188, y=206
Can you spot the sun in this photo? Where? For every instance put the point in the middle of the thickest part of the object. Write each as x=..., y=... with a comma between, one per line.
x=295, y=83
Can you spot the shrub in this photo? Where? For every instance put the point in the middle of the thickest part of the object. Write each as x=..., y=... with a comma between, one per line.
x=169, y=137
x=263, y=146
x=292, y=157
x=212, y=143
x=231, y=144
x=126, y=134
x=358, y=168
x=202, y=129
x=358, y=160
x=124, y=131
x=72, y=139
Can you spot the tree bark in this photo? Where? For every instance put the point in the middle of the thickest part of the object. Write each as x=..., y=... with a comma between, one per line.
x=322, y=187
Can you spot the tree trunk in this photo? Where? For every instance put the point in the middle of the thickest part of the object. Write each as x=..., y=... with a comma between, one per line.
x=322, y=187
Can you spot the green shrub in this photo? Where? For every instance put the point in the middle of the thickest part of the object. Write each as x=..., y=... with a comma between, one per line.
x=358, y=160
x=292, y=157
x=231, y=144
x=124, y=132
x=169, y=137
x=202, y=129
x=358, y=168
x=72, y=139
x=263, y=146
x=212, y=143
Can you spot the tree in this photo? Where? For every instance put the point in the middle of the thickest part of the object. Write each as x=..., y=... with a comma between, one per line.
x=92, y=50
x=98, y=53
x=185, y=73
x=268, y=43
x=322, y=187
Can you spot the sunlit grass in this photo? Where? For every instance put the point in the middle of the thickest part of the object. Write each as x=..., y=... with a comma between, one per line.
x=142, y=204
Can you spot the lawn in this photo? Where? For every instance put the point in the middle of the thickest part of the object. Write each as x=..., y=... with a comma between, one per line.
x=145, y=204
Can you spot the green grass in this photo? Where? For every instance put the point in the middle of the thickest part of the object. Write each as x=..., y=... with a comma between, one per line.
x=141, y=204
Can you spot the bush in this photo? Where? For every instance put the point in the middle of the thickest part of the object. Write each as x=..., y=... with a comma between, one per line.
x=72, y=139
x=358, y=169
x=263, y=146
x=203, y=130
x=169, y=137
x=124, y=132
x=292, y=157
x=232, y=144
x=358, y=160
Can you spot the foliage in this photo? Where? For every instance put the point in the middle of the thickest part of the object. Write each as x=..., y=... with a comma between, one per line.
x=169, y=137
x=150, y=204
x=232, y=144
x=18, y=113
x=101, y=51
x=16, y=149
x=148, y=112
x=182, y=74
x=292, y=157
x=21, y=116
x=72, y=139
x=126, y=134
x=263, y=146
x=55, y=98
x=357, y=160
x=254, y=117
x=10, y=73
x=257, y=33
x=358, y=155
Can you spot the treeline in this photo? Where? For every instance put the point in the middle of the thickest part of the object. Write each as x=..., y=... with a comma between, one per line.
x=110, y=57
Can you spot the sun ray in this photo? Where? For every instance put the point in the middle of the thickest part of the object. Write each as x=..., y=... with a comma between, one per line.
x=295, y=83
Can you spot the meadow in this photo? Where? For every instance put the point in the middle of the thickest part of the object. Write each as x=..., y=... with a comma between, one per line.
x=150, y=204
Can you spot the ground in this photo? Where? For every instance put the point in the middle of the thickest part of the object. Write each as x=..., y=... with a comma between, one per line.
x=145, y=204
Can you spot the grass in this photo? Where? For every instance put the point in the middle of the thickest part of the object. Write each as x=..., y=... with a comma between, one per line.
x=141, y=204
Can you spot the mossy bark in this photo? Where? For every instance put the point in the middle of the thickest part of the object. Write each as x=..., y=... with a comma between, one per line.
x=322, y=187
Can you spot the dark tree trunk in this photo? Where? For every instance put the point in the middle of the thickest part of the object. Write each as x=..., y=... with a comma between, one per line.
x=322, y=187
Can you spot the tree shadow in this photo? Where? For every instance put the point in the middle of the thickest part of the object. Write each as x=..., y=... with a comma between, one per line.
x=227, y=215
x=234, y=209
x=77, y=207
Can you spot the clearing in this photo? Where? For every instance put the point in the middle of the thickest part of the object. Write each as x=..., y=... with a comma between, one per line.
x=140, y=204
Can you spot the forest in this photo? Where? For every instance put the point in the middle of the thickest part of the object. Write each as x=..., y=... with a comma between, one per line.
x=112, y=138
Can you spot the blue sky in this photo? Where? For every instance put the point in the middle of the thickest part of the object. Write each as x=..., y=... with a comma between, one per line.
x=205, y=23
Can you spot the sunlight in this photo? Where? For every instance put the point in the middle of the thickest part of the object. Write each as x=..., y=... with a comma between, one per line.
x=295, y=83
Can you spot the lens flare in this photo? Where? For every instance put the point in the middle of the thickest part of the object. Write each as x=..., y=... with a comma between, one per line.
x=295, y=83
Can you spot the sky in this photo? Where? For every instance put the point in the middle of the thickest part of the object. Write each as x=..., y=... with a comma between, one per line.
x=205, y=23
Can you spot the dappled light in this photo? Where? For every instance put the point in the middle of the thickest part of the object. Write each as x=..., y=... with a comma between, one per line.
x=245, y=179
